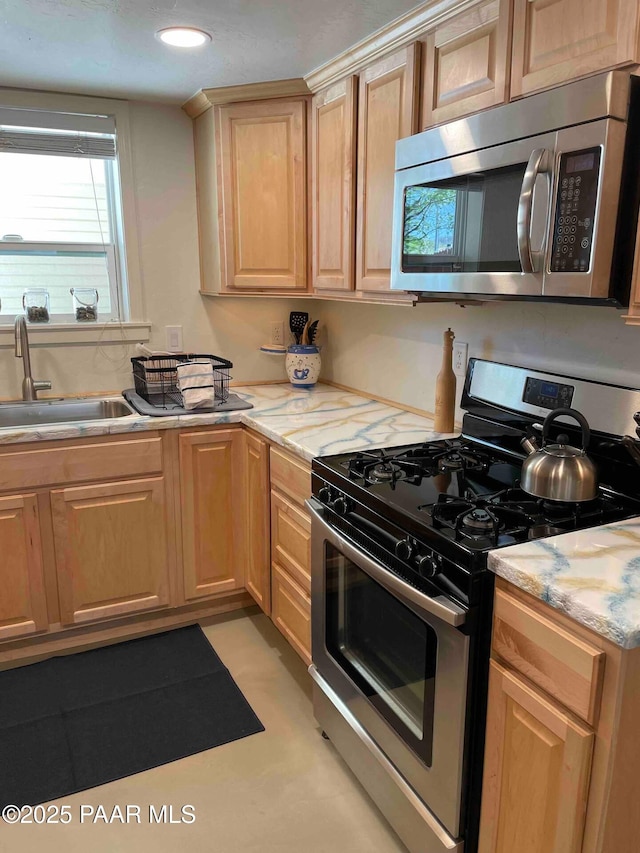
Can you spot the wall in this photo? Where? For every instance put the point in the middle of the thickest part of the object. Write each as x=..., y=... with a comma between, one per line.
x=162, y=145
x=395, y=352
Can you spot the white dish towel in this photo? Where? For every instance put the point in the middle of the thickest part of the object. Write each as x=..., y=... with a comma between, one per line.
x=195, y=382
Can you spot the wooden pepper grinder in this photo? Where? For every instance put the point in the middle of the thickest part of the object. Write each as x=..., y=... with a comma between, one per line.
x=446, y=388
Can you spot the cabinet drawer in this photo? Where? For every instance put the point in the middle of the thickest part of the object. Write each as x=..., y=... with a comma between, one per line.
x=77, y=463
x=291, y=540
x=565, y=667
x=290, y=476
x=291, y=612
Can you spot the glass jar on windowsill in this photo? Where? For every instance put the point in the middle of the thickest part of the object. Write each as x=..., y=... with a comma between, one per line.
x=35, y=303
x=85, y=304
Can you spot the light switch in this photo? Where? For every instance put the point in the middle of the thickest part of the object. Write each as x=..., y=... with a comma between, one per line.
x=174, y=338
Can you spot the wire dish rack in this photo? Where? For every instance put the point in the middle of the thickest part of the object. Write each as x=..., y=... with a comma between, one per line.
x=156, y=377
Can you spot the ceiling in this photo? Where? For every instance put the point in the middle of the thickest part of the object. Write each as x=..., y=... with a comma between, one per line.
x=107, y=47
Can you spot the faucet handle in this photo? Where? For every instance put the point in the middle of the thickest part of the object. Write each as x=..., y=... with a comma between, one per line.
x=41, y=385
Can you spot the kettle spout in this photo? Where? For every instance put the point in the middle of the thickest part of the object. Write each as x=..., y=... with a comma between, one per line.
x=530, y=444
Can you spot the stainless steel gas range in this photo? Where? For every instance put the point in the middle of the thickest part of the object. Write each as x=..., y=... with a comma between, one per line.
x=402, y=599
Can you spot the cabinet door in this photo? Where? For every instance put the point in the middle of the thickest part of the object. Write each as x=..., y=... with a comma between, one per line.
x=257, y=530
x=386, y=112
x=466, y=63
x=558, y=40
x=291, y=612
x=291, y=540
x=111, y=549
x=261, y=175
x=333, y=158
x=211, y=489
x=536, y=772
x=23, y=608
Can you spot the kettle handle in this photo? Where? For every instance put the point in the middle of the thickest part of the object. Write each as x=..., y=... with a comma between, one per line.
x=573, y=413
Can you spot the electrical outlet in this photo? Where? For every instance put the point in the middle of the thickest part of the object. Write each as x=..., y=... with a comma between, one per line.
x=277, y=333
x=460, y=351
x=174, y=338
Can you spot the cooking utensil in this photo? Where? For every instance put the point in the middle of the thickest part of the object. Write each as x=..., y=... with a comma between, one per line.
x=297, y=321
x=559, y=472
x=313, y=329
x=305, y=334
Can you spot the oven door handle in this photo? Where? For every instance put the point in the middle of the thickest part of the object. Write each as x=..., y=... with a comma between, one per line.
x=537, y=165
x=440, y=606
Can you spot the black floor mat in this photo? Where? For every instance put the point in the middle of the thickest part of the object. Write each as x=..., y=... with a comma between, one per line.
x=75, y=722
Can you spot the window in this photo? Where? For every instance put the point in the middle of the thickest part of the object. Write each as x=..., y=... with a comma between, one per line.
x=60, y=214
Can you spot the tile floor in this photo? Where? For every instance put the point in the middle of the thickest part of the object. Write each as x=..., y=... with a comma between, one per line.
x=282, y=791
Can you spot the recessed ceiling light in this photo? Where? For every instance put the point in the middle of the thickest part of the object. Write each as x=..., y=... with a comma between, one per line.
x=183, y=36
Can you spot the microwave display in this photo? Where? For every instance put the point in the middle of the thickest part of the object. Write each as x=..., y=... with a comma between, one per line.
x=577, y=194
x=463, y=224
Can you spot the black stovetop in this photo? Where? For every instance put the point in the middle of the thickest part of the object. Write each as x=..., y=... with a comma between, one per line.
x=463, y=492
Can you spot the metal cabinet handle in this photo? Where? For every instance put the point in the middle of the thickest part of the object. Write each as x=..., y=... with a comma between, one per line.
x=538, y=164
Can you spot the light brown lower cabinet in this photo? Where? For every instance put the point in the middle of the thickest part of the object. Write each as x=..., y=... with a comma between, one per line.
x=194, y=522
x=256, y=529
x=562, y=752
x=291, y=549
x=291, y=539
x=291, y=611
x=211, y=485
x=110, y=549
x=536, y=772
x=23, y=607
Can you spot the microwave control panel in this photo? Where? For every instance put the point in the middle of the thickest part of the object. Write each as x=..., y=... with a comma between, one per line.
x=576, y=196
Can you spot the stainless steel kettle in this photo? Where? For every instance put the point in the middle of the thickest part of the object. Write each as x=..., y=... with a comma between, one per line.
x=559, y=472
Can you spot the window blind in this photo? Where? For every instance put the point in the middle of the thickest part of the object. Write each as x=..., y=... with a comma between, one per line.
x=62, y=144
x=61, y=134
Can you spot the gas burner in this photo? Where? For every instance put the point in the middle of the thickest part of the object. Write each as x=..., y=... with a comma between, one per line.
x=487, y=517
x=478, y=521
x=384, y=472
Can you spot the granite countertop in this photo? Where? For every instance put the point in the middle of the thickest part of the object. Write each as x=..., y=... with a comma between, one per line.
x=310, y=423
x=591, y=575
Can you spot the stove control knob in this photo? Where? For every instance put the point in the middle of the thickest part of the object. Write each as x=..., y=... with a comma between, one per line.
x=404, y=549
x=324, y=495
x=427, y=566
x=341, y=505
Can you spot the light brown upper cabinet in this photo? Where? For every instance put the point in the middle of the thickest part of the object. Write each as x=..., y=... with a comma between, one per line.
x=466, y=63
x=387, y=111
x=262, y=195
x=333, y=158
x=555, y=41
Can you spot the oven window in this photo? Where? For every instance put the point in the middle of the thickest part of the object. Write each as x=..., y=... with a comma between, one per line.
x=385, y=648
x=464, y=224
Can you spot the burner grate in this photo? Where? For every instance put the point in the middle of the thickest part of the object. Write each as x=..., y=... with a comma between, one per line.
x=414, y=463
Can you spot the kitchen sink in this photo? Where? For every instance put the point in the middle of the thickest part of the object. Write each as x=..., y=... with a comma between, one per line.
x=61, y=411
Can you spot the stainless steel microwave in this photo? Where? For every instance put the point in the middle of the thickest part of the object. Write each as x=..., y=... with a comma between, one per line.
x=534, y=199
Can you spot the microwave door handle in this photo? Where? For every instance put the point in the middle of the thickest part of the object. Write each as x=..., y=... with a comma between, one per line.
x=537, y=164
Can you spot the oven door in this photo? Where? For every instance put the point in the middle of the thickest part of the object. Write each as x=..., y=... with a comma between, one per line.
x=398, y=661
x=476, y=223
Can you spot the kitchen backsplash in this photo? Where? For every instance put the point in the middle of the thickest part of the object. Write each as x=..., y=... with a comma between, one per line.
x=396, y=352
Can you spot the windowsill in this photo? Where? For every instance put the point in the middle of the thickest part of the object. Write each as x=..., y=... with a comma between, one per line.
x=62, y=334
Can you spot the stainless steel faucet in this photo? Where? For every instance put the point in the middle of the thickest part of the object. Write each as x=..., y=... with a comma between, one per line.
x=30, y=386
